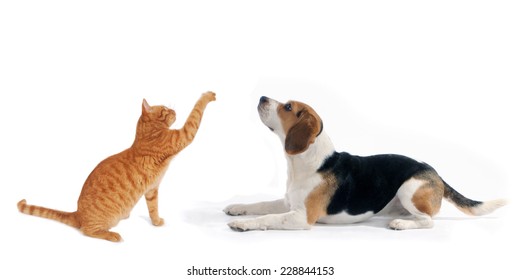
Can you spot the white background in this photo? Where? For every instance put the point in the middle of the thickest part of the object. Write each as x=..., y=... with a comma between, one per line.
x=437, y=81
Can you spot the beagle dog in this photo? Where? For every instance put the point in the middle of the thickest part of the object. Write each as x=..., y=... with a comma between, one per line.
x=326, y=186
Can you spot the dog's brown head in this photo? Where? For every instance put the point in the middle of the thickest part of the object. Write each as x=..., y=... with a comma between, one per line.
x=296, y=123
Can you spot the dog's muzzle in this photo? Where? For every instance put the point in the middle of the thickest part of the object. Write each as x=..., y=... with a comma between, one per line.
x=264, y=109
x=263, y=100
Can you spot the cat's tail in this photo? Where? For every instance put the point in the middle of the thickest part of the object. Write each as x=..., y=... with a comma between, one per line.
x=68, y=218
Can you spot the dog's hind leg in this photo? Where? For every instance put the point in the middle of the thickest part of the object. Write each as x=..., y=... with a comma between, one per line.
x=394, y=209
x=421, y=195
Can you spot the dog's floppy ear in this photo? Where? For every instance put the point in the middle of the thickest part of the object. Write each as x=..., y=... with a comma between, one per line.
x=302, y=134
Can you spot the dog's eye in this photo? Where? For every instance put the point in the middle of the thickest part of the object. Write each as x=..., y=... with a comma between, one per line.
x=288, y=107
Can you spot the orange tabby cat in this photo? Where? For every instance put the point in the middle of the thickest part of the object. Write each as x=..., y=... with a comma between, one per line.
x=118, y=182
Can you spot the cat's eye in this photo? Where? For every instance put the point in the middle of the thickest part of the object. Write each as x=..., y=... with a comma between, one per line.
x=288, y=107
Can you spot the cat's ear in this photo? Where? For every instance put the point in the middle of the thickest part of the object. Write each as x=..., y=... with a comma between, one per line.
x=146, y=108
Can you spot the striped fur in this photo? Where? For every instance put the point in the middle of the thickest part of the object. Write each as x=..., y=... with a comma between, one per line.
x=118, y=182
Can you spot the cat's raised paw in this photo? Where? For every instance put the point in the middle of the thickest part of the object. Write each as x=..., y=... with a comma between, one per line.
x=210, y=96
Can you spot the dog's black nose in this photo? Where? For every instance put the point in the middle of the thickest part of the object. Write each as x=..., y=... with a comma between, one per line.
x=263, y=99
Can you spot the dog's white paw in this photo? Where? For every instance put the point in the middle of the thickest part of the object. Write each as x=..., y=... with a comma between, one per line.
x=245, y=225
x=236, y=210
x=400, y=224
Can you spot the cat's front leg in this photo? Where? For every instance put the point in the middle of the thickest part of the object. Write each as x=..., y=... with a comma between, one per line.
x=152, y=201
x=186, y=134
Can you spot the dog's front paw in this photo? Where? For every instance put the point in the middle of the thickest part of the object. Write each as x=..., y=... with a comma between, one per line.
x=237, y=226
x=236, y=210
x=245, y=225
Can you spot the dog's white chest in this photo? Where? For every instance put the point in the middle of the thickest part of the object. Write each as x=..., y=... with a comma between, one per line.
x=298, y=188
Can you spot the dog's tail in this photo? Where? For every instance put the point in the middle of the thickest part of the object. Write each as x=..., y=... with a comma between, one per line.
x=469, y=206
x=68, y=218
